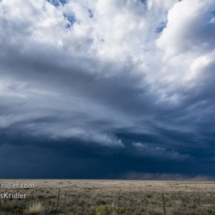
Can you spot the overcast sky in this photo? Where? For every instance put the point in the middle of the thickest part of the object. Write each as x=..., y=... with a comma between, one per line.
x=107, y=89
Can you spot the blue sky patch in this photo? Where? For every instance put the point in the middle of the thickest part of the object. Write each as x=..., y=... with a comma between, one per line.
x=57, y=3
x=160, y=28
x=71, y=20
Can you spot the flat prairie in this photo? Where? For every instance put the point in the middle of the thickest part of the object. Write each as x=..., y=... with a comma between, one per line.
x=104, y=197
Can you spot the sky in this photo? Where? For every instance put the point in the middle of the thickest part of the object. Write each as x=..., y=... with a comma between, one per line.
x=107, y=89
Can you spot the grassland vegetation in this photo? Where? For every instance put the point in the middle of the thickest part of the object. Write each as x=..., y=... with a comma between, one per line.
x=113, y=198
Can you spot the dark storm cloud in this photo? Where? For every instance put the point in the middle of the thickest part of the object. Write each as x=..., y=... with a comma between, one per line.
x=107, y=97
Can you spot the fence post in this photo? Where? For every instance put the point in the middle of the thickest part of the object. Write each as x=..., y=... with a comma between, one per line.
x=58, y=199
x=164, y=206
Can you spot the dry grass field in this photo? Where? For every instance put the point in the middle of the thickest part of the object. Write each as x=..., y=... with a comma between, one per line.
x=114, y=197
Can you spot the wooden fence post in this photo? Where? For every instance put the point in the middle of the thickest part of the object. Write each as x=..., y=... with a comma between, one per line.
x=58, y=199
x=164, y=206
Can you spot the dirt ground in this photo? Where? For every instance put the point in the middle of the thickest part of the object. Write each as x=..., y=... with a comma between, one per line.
x=127, y=197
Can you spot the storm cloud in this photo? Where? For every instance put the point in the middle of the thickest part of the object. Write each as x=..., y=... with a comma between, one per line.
x=107, y=89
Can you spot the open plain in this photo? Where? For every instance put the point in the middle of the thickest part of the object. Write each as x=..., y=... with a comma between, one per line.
x=103, y=197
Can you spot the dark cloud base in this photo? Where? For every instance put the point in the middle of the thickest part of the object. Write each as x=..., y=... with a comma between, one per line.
x=33, y=158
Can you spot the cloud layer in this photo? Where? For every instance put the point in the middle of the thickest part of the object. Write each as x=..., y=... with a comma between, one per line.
x=123, y=80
